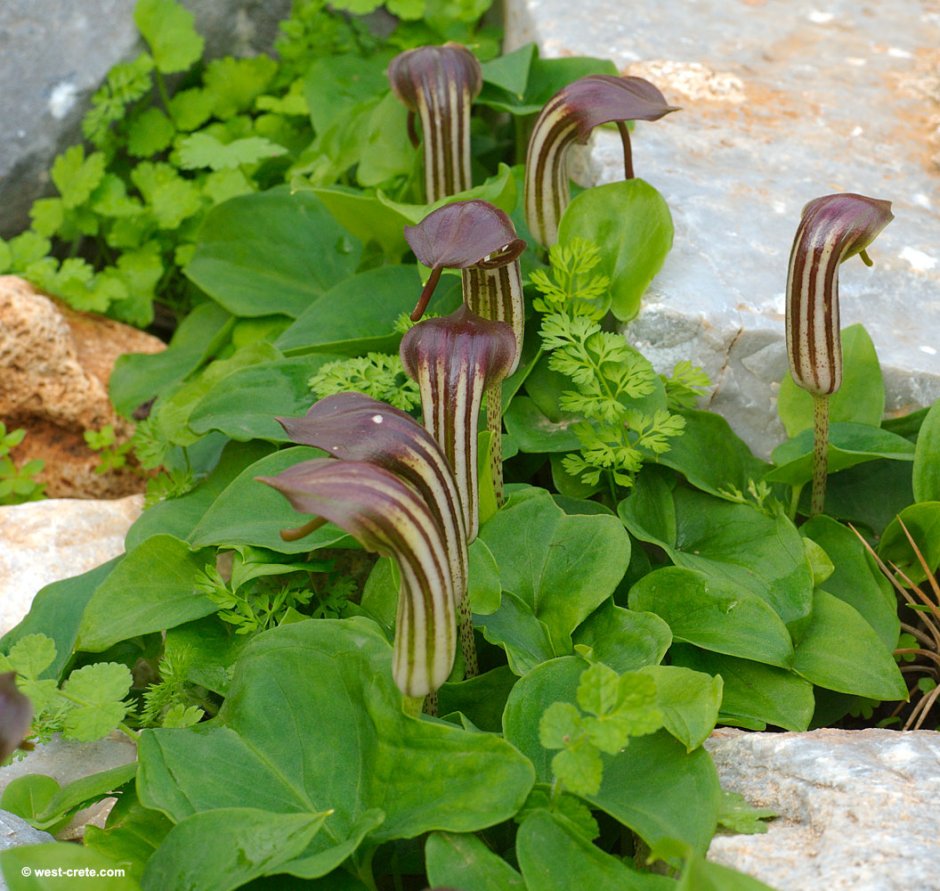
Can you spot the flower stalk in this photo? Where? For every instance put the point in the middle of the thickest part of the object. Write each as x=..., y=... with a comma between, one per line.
x=832, y=229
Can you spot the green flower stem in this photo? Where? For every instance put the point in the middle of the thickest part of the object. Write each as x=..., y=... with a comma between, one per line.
x=131, y=734
x=494, y=423
x=820, y=452
x=468, y=645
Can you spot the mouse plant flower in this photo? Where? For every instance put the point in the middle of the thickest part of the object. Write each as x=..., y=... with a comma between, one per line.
x=390, y=487
x=344, y=426
x=569, y=117
x=481, y=241
x=455, y=360
x=832, y=229
x=439, y=83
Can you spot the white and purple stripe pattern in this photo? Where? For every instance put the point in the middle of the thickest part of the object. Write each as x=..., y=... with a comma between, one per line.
x=832, y=229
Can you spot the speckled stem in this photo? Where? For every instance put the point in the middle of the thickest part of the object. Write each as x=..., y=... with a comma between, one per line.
x=820, y=452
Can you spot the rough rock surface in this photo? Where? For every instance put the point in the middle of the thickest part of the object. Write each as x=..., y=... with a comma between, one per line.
x=67, y=761
x=54, y=369
x=15, y=832
x=44, y=541
x=858, y=809
x=53, y=56
x=782, y=103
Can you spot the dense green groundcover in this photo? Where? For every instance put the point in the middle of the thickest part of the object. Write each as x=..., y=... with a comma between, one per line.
x=646, y=578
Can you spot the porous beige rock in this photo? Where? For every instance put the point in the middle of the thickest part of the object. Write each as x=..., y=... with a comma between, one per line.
x=55, y=364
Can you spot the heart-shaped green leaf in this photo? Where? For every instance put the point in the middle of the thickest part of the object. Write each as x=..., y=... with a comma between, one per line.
x=315, y=723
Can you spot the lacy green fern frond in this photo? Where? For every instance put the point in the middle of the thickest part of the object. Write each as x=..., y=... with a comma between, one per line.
x=622, y=401
x=379, y=375
x=686, y=385
x=572, y=285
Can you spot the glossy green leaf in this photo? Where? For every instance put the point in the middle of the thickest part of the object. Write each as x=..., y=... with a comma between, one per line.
x=57, y=611
x=366, y=217
x=927, y=457
x=138, y=377
x=386, y=149
x=81, y=793
x=711, y=456
x=689, y=701
x=840, y=651
x=132, y=834
x=700, y=874
x=631, y=223
x=498, y=190
x=555, y=856
x=151, y=589
x=179, y=516
x=249, y=513
x=856, y=578
x=340, y=741
x=27, y=796
x=735, y=544
x=359, y=314
x=337, y=83
x=849, y=493
x=537, y=433
x=753, y=695
x=244, y=405
x=849, y=444
x=480, y=698
x=623, y=639
x=271, y=252
x=555, y=570
x=484, y=588
x=510, y=71
x=653, y=786
x=860, y=399
x=464, y=861
x=504, y=89
x=176, y=405
x=923, y=523
x=222, y=849
x=714, y=615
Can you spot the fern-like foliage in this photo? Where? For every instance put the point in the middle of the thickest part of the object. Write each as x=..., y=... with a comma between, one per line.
x=625, y=405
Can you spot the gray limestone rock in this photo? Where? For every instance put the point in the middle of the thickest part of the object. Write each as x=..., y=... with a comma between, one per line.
x=857, y=808
x=53, y=56
x=44, y=541
x=782, y=102
x=14, y=831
